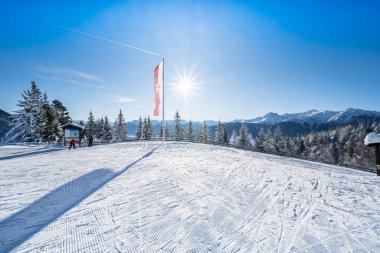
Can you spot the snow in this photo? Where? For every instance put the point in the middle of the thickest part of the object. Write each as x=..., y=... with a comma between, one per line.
x=372, y=138
x=17, y=150
x=182, y=197
x=74, y=124
x=336, y=117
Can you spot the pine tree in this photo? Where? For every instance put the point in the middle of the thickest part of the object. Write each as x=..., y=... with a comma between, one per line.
x=148, y=129
x=301, y=147
x=139, y=133
x=269, y=141
x=225, y=134
x=60, y=112
x=178, y=131
x=204, y=133
x=190, y=134
x=259, y=144
x=120, y=132
x=106, y=130
x=143, y=131
x=99, y=126
x=46, y=120
x=234, y=138
x=167, y=133
x=82, y=133
x=243, y=139
x=334, y=152
x=350, y=146
x=90, y=126
x=278, y=141
x=219, y=133
x=26, y=121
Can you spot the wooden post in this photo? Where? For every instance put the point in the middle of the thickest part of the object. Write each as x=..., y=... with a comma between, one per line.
x=377, y=150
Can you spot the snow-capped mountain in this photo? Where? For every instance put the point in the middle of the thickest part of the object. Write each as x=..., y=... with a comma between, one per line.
x=317, y=117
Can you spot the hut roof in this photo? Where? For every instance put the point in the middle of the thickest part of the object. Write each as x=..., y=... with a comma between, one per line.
x=73, y=125
x=372, y=138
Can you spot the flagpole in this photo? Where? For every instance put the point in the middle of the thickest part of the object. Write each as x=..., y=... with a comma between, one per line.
x=163, y=99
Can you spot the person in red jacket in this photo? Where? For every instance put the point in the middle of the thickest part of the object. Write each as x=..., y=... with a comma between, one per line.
x=72, y=143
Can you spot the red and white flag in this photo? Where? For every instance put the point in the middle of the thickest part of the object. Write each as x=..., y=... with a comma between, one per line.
x=158, y=88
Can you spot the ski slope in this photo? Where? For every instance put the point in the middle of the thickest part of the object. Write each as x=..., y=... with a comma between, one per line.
x=182, y=197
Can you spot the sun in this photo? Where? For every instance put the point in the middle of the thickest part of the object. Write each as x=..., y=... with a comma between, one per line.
x=185, y=86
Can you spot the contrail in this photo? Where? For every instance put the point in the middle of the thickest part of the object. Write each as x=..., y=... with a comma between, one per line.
x=105, y=39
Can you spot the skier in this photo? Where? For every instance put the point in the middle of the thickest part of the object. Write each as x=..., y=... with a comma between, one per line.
x=90, y=139
x=72, y=143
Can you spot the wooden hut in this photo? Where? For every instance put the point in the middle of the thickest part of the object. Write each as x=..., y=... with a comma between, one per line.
x=373, y=140
x=72, y=131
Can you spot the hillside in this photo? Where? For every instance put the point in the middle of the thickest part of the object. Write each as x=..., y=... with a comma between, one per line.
x=4, y=123
x=182, y=197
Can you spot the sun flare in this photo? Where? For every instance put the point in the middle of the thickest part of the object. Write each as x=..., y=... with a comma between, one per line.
x=185, y=86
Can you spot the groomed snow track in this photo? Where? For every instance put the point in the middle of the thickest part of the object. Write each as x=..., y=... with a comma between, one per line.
x=184, y=197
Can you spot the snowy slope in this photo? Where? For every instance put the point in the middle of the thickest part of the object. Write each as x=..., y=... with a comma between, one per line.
x=183, y=197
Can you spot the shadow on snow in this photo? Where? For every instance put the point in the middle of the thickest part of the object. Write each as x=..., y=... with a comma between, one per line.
x=20, y=226
x=30, y=153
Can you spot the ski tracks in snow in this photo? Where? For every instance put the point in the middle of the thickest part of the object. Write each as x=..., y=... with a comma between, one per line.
x=200, y=198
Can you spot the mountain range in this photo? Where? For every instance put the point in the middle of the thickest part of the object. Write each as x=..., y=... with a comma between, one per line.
x=317, y=117
x=292, y=124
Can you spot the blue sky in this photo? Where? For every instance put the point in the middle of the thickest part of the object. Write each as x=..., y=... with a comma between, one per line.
x=243, y=58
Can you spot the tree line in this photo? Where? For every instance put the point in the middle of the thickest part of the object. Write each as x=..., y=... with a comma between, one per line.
x=39, y=120
x=342, y=145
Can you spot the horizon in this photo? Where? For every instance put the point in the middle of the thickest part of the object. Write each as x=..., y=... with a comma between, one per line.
x=213, y=120
x=238, y=60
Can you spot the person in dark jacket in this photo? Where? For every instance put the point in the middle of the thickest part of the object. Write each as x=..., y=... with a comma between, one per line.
x=90, y=139
x=72, y=143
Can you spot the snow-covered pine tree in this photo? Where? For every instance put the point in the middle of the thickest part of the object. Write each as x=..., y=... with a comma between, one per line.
x=243, y=139
x=148, y=129
x=178, y=131
x=234, y=138
x=139, y=132
x=334, y=152
x=204, y=133
x=225, y=133
x=218, y=133
x=61, y=117
x=120, y=132
x=259, y=144
x=99, y=126
x=278, y=141
x=26, y=121
x=160, y=134
x=82, y=133
x=107, y=135
x=301, y=147
x=46, y=120
x=166, y=130
x=143, y=130
x=268, y=141
x=90, y=126
x=190, y=134
x=60, y=112
x=350, y=146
